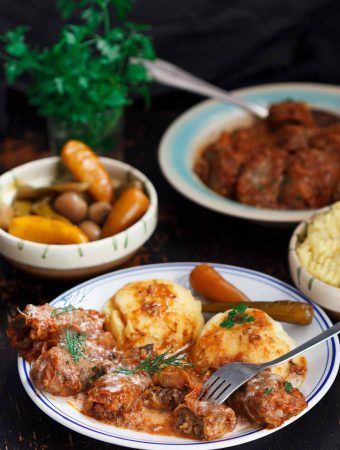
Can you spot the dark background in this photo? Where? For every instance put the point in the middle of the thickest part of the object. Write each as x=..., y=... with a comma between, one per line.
x=232, y=43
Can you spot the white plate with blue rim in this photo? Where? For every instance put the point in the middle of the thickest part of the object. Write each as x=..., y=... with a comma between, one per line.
x=323, y=361
x=202, y=124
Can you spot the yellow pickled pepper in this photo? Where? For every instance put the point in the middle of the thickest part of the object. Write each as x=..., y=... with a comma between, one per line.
x=46, y=231
x=85, y=166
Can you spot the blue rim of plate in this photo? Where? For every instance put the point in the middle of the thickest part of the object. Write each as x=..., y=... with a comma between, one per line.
x=331, y=366
x=178, y=145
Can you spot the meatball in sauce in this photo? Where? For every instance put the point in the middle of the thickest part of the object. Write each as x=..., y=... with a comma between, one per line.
x=291, y=160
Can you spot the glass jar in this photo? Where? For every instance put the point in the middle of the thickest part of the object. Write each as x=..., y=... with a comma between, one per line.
x=104, y=135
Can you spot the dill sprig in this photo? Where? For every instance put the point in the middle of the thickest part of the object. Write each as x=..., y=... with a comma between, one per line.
x=155, y=364
x=75, y=343
x=62, y=310
x=71, y=302
x=22, y=312
x=237, y=315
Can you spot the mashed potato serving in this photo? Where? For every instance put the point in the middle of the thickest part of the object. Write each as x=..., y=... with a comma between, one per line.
x=256, y=342
x=154, y=311
x=319, y=253
x=167, y=315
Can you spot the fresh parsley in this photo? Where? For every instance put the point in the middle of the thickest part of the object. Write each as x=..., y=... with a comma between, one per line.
x=88, y=72
x=75, y=343
x=268, y=391
x=288, y=386
x=237, y=315
x=155, y=364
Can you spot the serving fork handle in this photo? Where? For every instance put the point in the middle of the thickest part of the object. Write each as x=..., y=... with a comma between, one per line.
x=171, y=75
x=334, y=330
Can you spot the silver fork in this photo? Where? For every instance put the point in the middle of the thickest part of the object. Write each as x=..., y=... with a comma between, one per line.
x=166, y=73
x=231, y=376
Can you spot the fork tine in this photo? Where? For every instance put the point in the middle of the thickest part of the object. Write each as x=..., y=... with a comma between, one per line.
x=226, y=380
x=212, y=393
x=214, y=377
x=235, y=382
x=224, y=395
x=230, y=377
x=222, y=373
x=213, y=388
x=218, y=392
x=210, y=381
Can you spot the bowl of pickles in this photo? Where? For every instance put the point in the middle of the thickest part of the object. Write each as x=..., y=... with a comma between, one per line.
x=75, y=215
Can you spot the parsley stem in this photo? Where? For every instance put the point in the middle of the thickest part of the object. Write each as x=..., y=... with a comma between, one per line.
x=106, y=18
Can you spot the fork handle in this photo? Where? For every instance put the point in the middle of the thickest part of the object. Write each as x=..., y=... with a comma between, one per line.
x=171, y=75
x=335, y=329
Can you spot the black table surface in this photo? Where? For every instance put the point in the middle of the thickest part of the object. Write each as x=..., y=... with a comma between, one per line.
x=185, y=232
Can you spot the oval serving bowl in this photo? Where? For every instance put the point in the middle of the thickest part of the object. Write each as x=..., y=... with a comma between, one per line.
x=203, y=123
x=72, y=261
x=323, y=360
x=321, y=293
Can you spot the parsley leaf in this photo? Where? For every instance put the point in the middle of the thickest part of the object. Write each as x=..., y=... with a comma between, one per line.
x=268, y=391
x=122, y=7
x=237, y=315
x=288, y=386
x=87, y=74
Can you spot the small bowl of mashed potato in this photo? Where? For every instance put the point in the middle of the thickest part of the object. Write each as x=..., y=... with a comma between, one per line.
x=314, y=258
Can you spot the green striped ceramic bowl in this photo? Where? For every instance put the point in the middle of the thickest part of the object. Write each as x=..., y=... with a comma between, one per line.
x=321, y=293
x=72, y=261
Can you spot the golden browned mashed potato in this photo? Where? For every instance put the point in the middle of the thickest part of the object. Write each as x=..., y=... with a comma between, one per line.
x=154, y=311
x=319, y=253
x=255, y=342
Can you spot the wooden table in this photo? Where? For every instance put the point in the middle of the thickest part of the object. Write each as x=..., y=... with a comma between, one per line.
x=186, y=232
